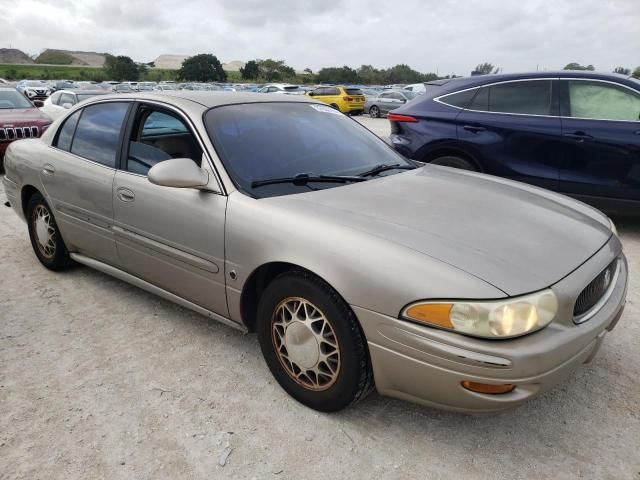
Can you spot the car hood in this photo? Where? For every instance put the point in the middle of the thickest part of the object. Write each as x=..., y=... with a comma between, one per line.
x=514, y=236
x=20, y=115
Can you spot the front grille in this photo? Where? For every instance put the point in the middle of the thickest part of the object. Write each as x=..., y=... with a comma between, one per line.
x=9, y=134
x=591, y=295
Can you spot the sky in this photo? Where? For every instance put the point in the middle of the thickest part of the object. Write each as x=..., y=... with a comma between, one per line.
x=442, y=36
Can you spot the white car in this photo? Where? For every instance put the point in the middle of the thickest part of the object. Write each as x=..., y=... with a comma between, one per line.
x=34, y=89
x=285, y=88
x=63, y=100
x=418, y=88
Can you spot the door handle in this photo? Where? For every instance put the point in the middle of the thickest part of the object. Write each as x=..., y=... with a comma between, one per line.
x=578, y=136
x=474, y=128
x=126, y=195
x=48, y=169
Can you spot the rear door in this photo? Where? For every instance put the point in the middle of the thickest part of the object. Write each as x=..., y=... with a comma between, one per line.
x=514, y=129
x=171, y=237
x=601, y=133
x=78, y=178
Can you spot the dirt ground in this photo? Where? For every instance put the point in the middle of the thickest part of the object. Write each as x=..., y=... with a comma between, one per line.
x=100, y=380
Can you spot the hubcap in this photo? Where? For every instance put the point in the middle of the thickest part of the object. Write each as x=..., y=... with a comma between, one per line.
x=44, y=230
x=373, y=111
x=305, y=343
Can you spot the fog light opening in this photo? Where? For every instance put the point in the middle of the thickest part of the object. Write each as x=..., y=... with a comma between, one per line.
x=490, y=389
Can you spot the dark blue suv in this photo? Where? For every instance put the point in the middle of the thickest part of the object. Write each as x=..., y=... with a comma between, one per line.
x=574, y=132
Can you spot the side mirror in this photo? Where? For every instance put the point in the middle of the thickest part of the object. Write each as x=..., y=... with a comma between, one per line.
x=66, y=105
x=178, y=173
x=38, y=103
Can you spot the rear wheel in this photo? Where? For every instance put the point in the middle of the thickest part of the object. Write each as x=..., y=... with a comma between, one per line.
x=45, y=237
x=374, y=112
x=312, y=343
x=335, y=107
x=455, y=162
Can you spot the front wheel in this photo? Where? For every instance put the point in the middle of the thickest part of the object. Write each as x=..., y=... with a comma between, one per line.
x=374, y=112
x=312, y=343
x=454, y=162
x=45, y=237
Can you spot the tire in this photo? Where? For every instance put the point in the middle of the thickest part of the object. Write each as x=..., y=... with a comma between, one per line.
x=374, y=112
x=45, y=237
x=335, y=107
x=344, y=375
x=454, y=162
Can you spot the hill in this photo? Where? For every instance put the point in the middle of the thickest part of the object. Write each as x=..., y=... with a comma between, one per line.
x=52, y=56
x=14, y=56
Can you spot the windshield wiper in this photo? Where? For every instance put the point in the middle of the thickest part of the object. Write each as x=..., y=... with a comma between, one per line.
x=303, y=178
x=383, y=168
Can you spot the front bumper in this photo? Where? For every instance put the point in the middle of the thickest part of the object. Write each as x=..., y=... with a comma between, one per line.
x=426, y=365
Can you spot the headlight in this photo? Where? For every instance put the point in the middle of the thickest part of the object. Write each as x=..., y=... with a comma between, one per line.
x=613, y=227
x=488, y=319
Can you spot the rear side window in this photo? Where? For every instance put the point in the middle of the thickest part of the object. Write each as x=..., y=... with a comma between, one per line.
x=459, y=99
x=65, y=134
x=530, y=97
x=97, y=136
x=331, y=91
x=602, y=101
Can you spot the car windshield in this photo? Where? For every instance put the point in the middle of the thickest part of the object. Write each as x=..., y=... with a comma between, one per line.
x=410, y=95
x=353, y=91
x=292, y=88
x=34, y=83
x=262, y=141
x=13, y=99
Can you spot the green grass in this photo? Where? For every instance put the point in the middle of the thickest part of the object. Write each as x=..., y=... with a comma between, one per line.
x=72, y=72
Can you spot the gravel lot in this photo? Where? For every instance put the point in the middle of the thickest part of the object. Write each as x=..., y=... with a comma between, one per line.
x=99, y=379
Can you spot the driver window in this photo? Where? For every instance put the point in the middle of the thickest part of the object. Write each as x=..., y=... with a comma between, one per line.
x=159, y=135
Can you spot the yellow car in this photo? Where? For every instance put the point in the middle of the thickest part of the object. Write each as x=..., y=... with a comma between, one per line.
x=346, y=99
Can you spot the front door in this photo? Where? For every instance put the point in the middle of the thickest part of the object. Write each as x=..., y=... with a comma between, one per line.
x=78, y=178
x=170, y=237
x=601, y=133
x=516, y=129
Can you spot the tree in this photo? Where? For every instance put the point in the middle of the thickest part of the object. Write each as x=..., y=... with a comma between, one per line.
x=204, y=67
x=308, y=71
x=622, y=71
x=250, y=71
x=636, y=73
x=275, y=70
x=577, y=66
x=120, y=68
x=485, y=69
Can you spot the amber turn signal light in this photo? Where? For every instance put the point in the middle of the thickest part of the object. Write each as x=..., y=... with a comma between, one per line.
x=488, y=388
x=431, y=313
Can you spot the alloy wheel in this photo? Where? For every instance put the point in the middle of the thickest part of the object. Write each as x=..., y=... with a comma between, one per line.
x=45, y=231
x=305, y=343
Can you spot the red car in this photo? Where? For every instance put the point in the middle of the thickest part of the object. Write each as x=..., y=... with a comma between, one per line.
x=19, y=118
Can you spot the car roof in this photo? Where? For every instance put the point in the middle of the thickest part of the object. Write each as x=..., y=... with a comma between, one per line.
x=209, y=99
x=460, y=83
x=474, y=80
x=80, y=91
